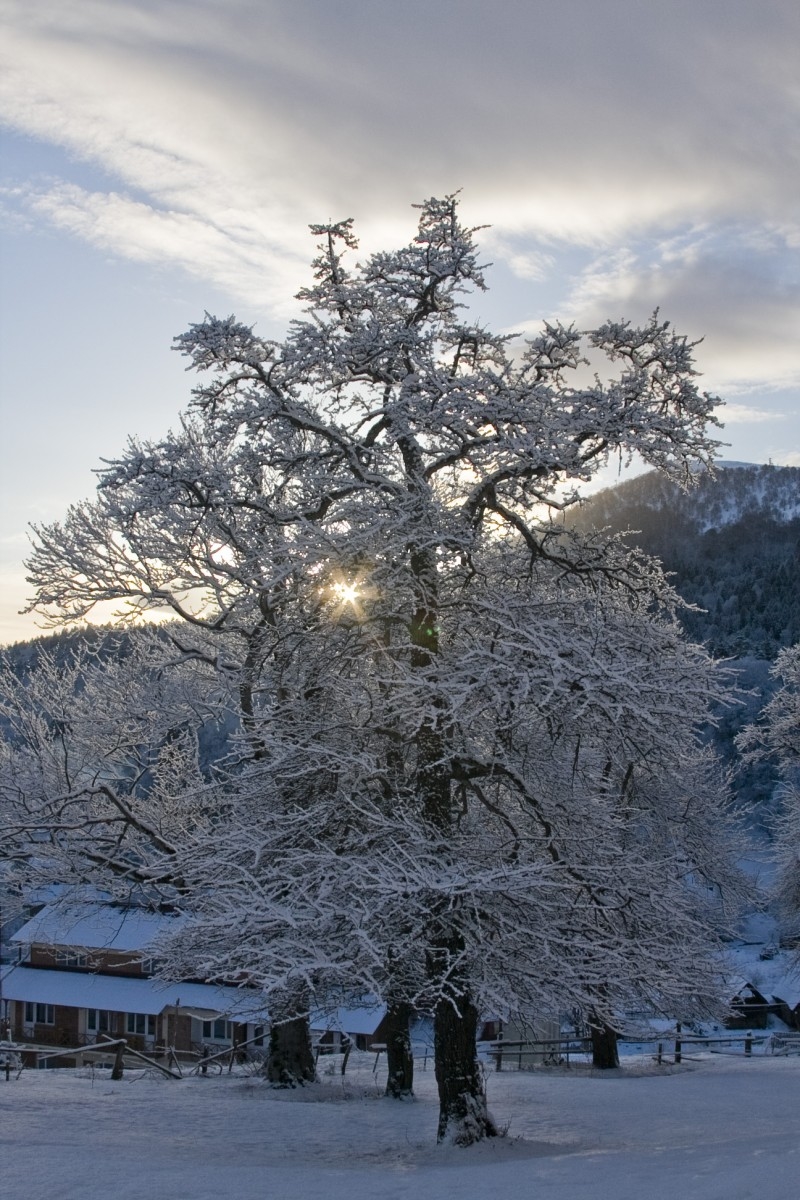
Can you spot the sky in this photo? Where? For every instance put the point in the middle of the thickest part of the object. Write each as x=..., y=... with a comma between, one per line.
x=163, y=158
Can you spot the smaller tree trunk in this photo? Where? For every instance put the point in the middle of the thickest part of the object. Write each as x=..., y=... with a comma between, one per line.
x=291, y=1059
x=605, y=1051
x=116, y=1071
x=463, y=1114
x=399, y=1059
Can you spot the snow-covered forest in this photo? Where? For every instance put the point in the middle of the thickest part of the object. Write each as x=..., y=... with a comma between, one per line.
x=403, y=730
x=731, y=544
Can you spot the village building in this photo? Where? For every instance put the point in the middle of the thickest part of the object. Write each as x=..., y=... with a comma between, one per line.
x=752, y=1009
x=87, y=970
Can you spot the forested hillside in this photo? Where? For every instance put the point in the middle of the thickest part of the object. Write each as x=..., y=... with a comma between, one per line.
x=732, y=544
x=109, y=644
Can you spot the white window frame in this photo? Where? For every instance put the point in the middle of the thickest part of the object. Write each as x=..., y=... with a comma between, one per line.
x=70, y=958
x=211, y=1030
x=39, y=1014
x=95, y=1020
x=147, y=1022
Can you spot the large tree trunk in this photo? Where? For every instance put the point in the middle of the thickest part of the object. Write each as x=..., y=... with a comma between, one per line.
x=399, y=1059
x=291, y=1059
x=463, y=1114
x=605, y=1052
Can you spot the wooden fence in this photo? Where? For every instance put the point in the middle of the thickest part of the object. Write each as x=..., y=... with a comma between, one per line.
x=668, y=1047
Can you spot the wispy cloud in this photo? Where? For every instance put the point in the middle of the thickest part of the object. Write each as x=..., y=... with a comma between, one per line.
x=243, y=257
x=524, y=261
x=744, y=414
x=729, y=285
x=663, y=146
x=571, y=122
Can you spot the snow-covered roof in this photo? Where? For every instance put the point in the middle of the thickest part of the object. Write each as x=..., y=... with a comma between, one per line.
x=778, y=975
x=95, y=927
x=350, y=1020
x=366, y=1019
x=120, y=993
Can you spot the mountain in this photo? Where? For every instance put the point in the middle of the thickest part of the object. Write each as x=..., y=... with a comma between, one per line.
x=732, y=544
x=108, y=644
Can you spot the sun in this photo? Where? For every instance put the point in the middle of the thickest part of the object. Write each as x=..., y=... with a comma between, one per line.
x=346, y=593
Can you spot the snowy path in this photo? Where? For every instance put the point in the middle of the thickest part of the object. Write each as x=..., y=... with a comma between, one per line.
x=719, y=1129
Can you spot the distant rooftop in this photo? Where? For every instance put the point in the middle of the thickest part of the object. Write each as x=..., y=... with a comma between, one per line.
x=95, y=927
x=120, y=993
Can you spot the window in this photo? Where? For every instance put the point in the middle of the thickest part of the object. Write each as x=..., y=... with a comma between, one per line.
x=68, y=958
x=258, y=1035
x=41, y=1014
x=98, y=1020
x=219, y=1030
x=142, y=1023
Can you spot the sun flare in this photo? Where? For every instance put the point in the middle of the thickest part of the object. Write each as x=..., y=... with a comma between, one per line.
x=346, y=593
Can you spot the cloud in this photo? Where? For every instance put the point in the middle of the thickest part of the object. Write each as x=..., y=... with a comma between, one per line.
x=525, y=262
x=744, y=414
x=575, y=121
x=728, y=285
x=630, y=131
x=246, y=261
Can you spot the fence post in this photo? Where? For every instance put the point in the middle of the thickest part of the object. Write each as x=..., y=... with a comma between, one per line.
x=748, y=1044
x=678, y=1046
x=660, y=1052
x=116, y=1071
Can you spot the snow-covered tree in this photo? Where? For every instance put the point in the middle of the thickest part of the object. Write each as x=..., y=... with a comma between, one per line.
x=94, y=749
x=588, y=824
x=472, y=725
x=776, y=735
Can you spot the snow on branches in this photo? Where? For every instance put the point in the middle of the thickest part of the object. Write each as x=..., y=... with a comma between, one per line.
x=469, y=774
x=776, y=735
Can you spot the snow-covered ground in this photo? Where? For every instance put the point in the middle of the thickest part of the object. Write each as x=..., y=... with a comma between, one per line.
x=716, y=1128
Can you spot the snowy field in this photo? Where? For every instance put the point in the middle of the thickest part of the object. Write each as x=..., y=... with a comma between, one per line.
x=716, y=1128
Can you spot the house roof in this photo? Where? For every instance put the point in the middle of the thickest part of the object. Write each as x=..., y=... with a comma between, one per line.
x=350, y=1020
x=121, y=993
x=96, y=927
x=366, y=1019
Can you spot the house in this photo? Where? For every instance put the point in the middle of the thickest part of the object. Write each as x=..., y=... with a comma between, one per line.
x=361, y=1027
x=751, y=1009
x=365, y=1027
x=526, y=1042
x=87, y=970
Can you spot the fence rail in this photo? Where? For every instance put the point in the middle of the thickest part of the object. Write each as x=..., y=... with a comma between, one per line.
x=785, y=1043
x=670, y=1046
x=557, y=1051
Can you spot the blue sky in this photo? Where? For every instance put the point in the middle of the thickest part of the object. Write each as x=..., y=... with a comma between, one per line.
x=164, y=157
